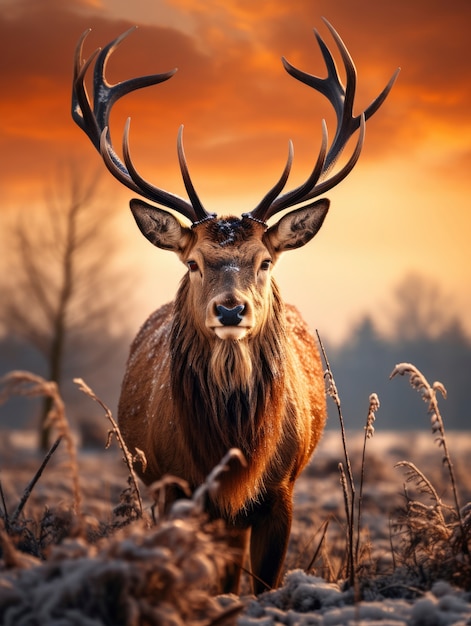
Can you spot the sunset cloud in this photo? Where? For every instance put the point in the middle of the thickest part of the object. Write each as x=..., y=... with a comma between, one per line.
x=240, y=107
x=231, y=91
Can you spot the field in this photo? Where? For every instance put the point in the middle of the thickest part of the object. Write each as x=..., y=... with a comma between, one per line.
x=76, y=548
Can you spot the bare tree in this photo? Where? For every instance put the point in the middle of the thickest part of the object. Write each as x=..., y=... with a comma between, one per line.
x=421, y=309
x=62, y=284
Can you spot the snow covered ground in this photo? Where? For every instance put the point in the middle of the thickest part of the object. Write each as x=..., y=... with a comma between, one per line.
x=309, y=601
x=391, y=595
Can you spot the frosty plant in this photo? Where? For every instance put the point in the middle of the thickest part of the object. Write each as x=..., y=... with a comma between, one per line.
x=346, y=477
x=369, y=432
x=429, y=396
x=128, y=457
x=24, y=383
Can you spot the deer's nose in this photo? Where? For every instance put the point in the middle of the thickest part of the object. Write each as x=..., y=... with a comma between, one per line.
x=230, y=317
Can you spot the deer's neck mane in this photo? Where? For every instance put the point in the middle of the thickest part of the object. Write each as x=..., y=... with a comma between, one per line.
x=230, y=389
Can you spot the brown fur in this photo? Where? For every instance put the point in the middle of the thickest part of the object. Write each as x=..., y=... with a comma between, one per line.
x=188, y=397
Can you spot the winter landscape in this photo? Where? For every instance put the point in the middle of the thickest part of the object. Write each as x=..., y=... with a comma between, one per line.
x=85, y=544
x=381, y=533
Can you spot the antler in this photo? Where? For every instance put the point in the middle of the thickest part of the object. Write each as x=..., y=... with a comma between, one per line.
x=342, y=99
x=94, y=121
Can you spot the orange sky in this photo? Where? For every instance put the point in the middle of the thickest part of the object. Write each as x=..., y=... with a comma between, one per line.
x=404, y=207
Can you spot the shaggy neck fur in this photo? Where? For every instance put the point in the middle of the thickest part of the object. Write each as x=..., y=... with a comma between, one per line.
x=232, y=390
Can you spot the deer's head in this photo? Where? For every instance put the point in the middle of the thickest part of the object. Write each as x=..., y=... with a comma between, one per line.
x=229, y=259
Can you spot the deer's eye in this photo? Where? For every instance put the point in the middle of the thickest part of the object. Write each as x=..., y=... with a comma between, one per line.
x=192, y=266
x=265, y=265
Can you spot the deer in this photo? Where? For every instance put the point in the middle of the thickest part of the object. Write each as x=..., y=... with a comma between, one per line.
x=228, y=364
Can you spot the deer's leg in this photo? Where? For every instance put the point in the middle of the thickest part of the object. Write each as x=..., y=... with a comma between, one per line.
x=238, y=541
x=269, y=540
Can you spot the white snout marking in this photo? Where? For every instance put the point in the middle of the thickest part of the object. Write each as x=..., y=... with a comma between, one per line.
x=231, y=332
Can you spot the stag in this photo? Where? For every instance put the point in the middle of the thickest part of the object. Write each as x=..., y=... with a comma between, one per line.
x=227, y=364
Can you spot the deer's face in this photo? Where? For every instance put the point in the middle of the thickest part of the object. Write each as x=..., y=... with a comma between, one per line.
x=229, y=269
x=229, y=263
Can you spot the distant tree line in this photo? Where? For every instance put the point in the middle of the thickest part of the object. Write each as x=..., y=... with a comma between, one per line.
x=423, y=331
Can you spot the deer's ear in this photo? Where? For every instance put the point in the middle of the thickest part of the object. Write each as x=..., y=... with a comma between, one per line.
x=298, y=227
x=160, y=227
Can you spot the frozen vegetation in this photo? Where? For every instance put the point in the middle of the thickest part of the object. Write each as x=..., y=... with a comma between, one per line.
x=87, y=545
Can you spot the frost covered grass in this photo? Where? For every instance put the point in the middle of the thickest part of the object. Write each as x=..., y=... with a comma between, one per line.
x=82, y=542
x=437, y=537
x=61, y=564
x=428, y=540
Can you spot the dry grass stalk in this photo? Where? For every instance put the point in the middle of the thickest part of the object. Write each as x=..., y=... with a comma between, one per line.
x=425, y=486
x=29, y=489
x=8, y=550
x=346, y=478
x=30, y=385
x=331, y=390
x=323, y=528
x=429, y=395
x=437, y=536
x=348, y=496
x=6, y=518
x=158, y=492
x=369, y=432
x=352, y=511
x=128, y=458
